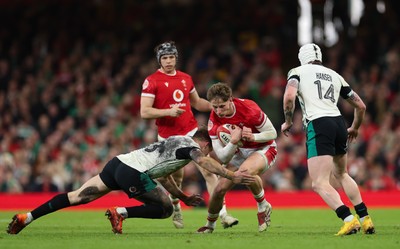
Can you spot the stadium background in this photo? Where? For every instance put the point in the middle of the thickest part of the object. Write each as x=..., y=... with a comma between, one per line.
x=71, y=74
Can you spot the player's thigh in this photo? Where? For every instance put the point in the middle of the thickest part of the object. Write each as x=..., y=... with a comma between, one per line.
x=255, y=164
x=320, y=168
x=340, y=162
x=155, y=196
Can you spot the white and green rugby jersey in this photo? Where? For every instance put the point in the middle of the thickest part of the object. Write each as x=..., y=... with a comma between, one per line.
x=161, y=158
x=318, y=91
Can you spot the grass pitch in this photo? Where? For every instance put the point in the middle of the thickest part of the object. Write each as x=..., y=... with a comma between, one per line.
x=291, y=228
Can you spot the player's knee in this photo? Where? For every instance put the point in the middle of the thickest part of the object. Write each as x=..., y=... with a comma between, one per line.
x=74, y=199
x=168, y=209
x=219, y=192
x=318, y=186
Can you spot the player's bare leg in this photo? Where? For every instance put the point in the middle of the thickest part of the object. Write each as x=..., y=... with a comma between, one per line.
x=352, y=191
x=255, y=165
x=227, y=220
x=157, y=205
x=215, y=204
x=321, y=169
x=211, y=182
x=91, y=190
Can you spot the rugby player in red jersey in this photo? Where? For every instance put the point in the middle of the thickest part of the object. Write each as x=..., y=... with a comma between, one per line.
x=256, y=154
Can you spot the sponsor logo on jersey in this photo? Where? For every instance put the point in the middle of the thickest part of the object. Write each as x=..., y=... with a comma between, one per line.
x=178, y=105
x=178, y=95
x=166, y=84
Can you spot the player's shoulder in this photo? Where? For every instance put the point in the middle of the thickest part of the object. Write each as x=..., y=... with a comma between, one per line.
x=154, y=75
x=181, y=73
x=295, y=71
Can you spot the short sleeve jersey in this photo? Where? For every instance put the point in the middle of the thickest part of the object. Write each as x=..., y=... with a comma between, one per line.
x=318, y=90
x=246, y=113
x=161, y=158
x=167, y=91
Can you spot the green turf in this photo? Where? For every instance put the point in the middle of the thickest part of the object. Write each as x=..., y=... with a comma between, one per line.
x=291, y=228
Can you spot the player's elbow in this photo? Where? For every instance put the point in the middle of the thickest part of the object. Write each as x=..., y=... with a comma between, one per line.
x=274, y=134
x=144, y=114
x=362, y=107
x=224, y=159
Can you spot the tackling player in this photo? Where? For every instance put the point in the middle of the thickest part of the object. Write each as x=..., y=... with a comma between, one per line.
x=134, y=173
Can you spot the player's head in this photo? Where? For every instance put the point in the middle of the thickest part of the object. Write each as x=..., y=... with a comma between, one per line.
x=309, y=53
x=220, y=97
x=219, y=91
x=166, y=48
x=203, y=139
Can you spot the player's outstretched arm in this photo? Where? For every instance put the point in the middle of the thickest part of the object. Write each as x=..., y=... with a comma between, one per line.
x=208, y=163
x=169, y=184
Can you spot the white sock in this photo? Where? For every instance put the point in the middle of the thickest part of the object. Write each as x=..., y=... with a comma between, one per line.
x=223, y=212
x=176, y=203
x=29, y=219
x=363, y=218
x=349, y=218
x=261, y=206
x=209, y=223
x=122, y=211
x=177, y=207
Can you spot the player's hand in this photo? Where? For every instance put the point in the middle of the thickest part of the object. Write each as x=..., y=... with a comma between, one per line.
x=352, y=134
x=193, y=200
x=285, y=128
x=242, y=177
x=247, y=134
x=236, y=134
x=176, y=111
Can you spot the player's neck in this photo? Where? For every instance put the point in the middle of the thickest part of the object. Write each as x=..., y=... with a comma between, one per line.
x=169, y=72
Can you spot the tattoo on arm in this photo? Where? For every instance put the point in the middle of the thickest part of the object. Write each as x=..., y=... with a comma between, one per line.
x=288, y=105
x=354, y=97
x=288, y=114
x=293, y=83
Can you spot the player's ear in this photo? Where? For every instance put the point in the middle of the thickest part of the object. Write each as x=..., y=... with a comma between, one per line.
x=208, y=147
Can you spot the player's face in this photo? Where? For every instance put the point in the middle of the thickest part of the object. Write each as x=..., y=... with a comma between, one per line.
x=204, y=146
x=222, y=108
x=168, y=63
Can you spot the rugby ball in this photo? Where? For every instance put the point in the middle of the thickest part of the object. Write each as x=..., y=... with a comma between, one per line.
x=223, y=133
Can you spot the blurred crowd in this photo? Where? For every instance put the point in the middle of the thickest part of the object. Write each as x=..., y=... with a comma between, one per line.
x=71, y=74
